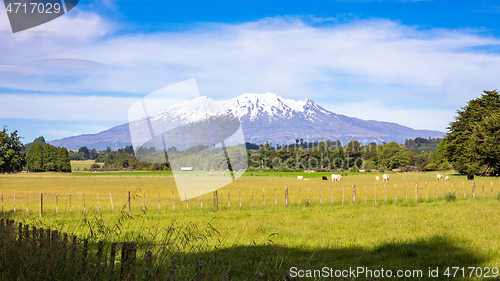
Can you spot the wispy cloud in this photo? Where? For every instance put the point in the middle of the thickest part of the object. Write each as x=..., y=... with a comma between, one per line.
x=401, y=67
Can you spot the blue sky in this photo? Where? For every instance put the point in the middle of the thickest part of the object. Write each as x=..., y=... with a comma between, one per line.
x=410, y=62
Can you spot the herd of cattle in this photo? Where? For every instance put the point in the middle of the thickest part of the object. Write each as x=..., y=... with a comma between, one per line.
x=385, y=177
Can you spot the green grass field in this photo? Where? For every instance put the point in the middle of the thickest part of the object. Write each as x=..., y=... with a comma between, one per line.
x=82, y=164
x=269, y=239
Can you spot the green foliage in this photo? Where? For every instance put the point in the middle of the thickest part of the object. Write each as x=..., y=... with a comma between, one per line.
x=94, y=166
x=34, y=159
x=63, y=162
x=431, y=167
x=450, y=197
x=40, y=140
x=12, y=155
x=473, y=142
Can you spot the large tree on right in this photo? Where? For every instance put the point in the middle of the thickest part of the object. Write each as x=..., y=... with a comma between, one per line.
x=472, y=144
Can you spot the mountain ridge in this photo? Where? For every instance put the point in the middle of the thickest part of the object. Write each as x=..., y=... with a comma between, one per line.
x=264, y=117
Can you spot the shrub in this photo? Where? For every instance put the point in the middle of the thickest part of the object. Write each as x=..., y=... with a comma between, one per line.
x=450, y=197
x=94, y=166
x=431, y=167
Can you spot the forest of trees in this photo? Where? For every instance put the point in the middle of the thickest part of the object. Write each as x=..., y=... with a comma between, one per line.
x=47, y=158
x=12, y=156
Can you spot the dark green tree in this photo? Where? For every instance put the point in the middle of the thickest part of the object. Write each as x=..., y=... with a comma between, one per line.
x=12, y=155
x=63, y=162
x=85, y=151
x=472, y=144
x=34, y=159
x=40, y=140
x=49, y=158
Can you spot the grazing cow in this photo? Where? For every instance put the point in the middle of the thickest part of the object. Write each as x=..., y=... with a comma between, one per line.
x=336, y=177
x=470, y=176
x=439, y=177
x=446, y=178
x=385, y=177
x=377, y=178
x=300, y=177
x=324, y=178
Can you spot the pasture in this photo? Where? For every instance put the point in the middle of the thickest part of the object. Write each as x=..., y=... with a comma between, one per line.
x=316, y=229
x=82, y=164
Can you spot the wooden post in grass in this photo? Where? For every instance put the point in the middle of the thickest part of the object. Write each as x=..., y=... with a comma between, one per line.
x=144, y=201
x=436, y=192
x=320, y=199
x=286, y=196
x=14, y=202
x=57, y=205
x=84, y=202
x=331, y=197
x=483, y=190
x=276, y=198
x=416, y=193
x=127, y=270
x=309, y=190
x=41, y=204
x=365, y=193
x=159, y=202
x=445, y=188
x=395, y=194
x=70, y=202
x=491, y=190
x=353, y=194
x=173, y=201
x=128, y=201
x=299, y=197
x=375, y=192
x=239, y=194
x=251, y=191
x=473, y=190
x=112, y=259
x=27, y=208
x=216, y=201
x=385, y=194
x=426, y=197
x=455, y=186
x=263, y=198
x=110, y=200
x=201, y=201
x=97, y=196
x=229, y=200
x=406, y=194
x=2, y=204
x=186, y=198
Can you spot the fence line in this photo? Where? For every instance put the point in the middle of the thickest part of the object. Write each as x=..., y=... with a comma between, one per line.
x=57, y=203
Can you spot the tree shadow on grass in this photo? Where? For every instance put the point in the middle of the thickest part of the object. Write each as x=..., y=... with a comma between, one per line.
x=271, y=262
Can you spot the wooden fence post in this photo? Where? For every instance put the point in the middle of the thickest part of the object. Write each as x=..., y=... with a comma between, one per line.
x=129, y=251
x=275, y=198
x=331, y=197
x=436, y=192
x=491, y=190
x=286, y=196
x=375, y=192
x=455, y=186
x=201, y=201
x=251, y=191
x=144, y=201
x=84, y=202
x=353, y=194
x=186, y=198
x=111, y=200
x=239, y=194
x=473, y=190
x=264, y=198
x=385, y=194
x=159, y=202
x=483, y=190
x=112, y=259
x=365, y=193
x=299, y=195
x=173, y=201
x=57, y=205
x=216, y=201
x=97, y=196
x=426, y=197
x=395, y=194
x=445, y=188
x=406, y=194
x=309, y=190
x=41, y=204
x=320, y=199
x=27, y=207
x=128, y=201
x=14, y=202
x=70, y=202
x=416, y=193
x=229, y=200
x=463, y=184
x=2, y=204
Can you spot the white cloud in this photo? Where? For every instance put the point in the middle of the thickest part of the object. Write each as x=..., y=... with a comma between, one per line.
x=403, y=67
x=65, y=107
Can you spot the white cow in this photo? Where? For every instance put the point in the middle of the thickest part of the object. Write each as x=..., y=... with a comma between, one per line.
x=300, y=177
x=439, y=177
x=377, y=178
x=336, y=177
x=446, y=178
x=385, y=177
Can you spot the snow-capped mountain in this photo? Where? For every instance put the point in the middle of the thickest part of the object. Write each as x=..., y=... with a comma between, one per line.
x=264, y=117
